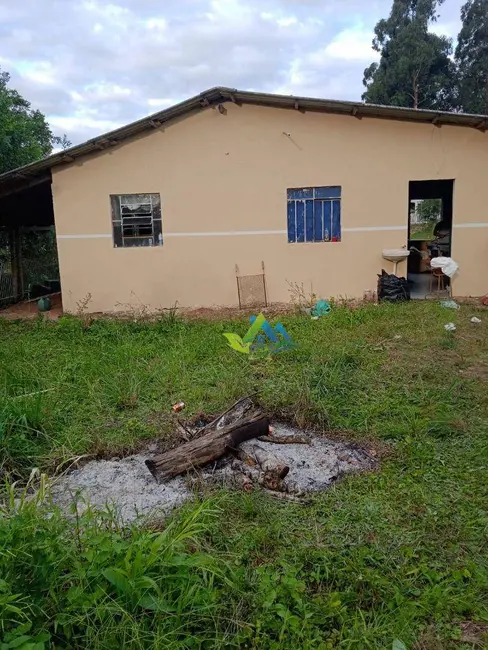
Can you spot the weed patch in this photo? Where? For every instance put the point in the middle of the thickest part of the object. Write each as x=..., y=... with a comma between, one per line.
x=396, y=555
x=92, y=583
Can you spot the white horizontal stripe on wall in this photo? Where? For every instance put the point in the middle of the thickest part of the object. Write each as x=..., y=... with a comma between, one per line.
x=373, y=228
x=236, y=233
x=101, y=236
x=476, y=224
x=230, y=233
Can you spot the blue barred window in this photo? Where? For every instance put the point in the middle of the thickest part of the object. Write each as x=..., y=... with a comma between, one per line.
x=314, y=214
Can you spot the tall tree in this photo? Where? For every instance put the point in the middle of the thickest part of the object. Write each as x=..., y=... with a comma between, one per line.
x=414, y=69
x=25, y=135
x=472, y=57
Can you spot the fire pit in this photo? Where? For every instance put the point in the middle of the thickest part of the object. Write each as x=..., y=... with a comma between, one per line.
x=289, y=464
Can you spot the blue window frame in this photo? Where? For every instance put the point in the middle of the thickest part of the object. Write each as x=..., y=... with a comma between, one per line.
x=314, y=214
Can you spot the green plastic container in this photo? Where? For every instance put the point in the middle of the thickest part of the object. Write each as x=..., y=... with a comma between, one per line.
x=44, y=303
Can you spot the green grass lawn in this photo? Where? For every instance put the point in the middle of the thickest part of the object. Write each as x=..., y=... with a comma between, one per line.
x=390, y=560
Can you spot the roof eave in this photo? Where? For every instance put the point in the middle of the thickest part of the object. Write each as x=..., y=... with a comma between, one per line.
x=222, y=94
x=358, y=109
x=115, y=137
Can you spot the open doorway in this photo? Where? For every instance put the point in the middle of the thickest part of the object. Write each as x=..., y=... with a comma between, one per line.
x=429, y=235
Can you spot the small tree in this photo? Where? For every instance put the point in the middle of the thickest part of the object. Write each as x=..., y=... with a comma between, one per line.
x=429, y=210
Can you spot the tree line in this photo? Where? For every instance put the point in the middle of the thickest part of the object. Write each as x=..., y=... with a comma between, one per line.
x=420, y=69
x=417, y=69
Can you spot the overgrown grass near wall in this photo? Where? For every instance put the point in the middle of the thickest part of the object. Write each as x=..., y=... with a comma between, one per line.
x=399, y=555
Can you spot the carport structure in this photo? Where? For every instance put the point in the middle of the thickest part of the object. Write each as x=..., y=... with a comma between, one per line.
x=28, y=254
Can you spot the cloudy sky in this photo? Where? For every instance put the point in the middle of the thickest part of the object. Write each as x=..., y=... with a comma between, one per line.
x=93, y=65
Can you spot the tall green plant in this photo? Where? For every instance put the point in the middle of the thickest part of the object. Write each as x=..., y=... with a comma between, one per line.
x=414, y=69
x=93, y=583
x=23, y=436
x=472, y=57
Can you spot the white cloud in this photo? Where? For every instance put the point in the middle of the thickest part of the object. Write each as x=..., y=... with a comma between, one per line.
x=157, y=24
x=352, y=45
x=287, y=22
x=228, y=10
x=37, y=72
x=159, y=104
x=280, y=20
x=91, y=65
x=73, y=123
x=108, y=11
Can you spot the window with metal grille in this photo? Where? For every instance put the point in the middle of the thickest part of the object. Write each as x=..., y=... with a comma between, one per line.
x=314, y=214
x=136, y=220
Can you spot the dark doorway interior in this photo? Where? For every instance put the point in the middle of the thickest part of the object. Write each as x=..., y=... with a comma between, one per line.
x=429, y=235
x=28, y=252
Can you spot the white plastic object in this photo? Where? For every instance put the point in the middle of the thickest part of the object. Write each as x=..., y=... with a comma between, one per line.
x=447, y=265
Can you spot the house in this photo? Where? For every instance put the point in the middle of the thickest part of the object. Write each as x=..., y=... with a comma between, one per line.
x=230, y=196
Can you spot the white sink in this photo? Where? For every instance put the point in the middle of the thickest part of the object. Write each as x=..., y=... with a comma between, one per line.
x=395, y=255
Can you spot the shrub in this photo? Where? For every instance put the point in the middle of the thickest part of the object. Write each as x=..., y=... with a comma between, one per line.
x=92, y=583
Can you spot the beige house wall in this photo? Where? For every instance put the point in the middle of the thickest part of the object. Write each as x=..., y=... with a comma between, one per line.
x=223, y=180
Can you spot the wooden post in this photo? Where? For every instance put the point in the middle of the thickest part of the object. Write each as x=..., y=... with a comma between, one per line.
x=16, y=263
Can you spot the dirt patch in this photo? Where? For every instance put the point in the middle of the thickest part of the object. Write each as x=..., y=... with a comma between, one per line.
x=234, y=313
x=478, y=371
x=127, y=485
x=429, y=640
x=474, y=633
x=143, y=313
x=215, y=313
x=28, y=309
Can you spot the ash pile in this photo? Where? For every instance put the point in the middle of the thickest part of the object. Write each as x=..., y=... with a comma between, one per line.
x=240, y=449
